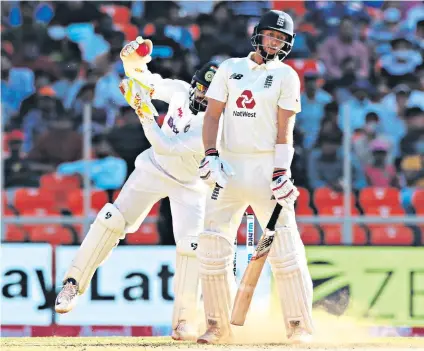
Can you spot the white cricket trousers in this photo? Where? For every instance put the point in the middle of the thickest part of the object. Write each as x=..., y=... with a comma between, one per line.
x=148, y=184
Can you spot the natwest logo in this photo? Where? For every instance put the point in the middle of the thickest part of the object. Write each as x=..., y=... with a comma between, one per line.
x=246, y=100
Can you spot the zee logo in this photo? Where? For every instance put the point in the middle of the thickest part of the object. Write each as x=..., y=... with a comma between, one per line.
x=246, y=100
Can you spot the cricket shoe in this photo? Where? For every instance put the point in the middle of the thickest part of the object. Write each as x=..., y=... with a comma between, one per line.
x=300, y=336
x=183, y=332
x=67, y=298
x=214, y=336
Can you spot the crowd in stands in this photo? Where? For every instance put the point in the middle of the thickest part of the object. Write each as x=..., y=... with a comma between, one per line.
x=361, y=65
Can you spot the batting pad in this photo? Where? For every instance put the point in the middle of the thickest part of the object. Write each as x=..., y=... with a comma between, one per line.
x=103, y=236
x=289, y=266
x=215, y=255
x=186, y=282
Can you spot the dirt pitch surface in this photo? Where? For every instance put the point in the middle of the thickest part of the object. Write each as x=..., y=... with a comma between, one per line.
x=166, y=344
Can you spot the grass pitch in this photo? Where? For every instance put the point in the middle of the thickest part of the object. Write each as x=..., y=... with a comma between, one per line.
x=166, y=344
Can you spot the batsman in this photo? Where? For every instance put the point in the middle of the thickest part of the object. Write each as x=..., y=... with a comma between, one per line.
x=259, y=97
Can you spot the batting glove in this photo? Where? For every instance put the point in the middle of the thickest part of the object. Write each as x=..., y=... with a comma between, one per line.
x=214, y=171
x=283, y=188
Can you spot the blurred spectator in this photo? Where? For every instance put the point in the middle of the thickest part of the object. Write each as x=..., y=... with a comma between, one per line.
x=413, y=165
x=380, y=172
x=29, y=56
x=107, y=171
x=17, y=172
x=298, y=166
x=401, y=62
x=210, y=41
x=346, y=59
x=248, y=8
x=356, y=108
x=365, y=136
x=325, y=165
x=414, y=119
x=328, y=15
x=75, y=11
x=127, y=138
x=98, y=115
x=68, y=87
x=313, y=101
x=36, y=121
x=382, y=32
x=57, y=145
x=419, y=34
x=107, y=94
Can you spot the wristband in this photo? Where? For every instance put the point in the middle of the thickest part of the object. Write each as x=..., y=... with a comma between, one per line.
x=211, y=152
x=283, y=156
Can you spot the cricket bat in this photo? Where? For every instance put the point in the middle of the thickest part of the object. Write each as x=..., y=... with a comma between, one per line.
x=253, y=271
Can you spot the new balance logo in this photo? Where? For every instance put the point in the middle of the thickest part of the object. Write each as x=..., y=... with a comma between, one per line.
x=236, y=76
x=193, y=246
x=108, y=215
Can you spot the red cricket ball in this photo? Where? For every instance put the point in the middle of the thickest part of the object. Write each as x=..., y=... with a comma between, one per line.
x=143, y=49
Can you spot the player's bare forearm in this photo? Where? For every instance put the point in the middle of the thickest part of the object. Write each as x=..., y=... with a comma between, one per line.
x=210, y=131
x=285, y=125
x=211, y=123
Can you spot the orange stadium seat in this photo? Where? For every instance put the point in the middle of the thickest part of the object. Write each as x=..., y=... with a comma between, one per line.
x=391, y=235
x=376, y=197
x=54, y=234
x=325, y=197
x=56, y=181
x=418, y=201
x=333, y=232
x=310, y=234
x=30, y=198
x=15, y=233
x=59, y=186
x=333, y=235
x=304, y=198
x=298, y=6
x=383, y=212
x=147, y=234
x=76, y=201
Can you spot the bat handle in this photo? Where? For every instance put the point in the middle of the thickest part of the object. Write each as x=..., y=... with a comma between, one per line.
x=215, y=192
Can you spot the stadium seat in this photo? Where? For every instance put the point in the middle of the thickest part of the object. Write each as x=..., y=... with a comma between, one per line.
x=304, y=198
x=310, y=234
x=59, y=186
x=418, y=201
x=326, y=197
x=147, y=234
x=333, y=232
x=56, y=181
x=333, y=235
x=30, y=198
x=54, y=234
x=75, y=201
x=391, y=235
x=376, y=197
x=15, y=233
x=383, y=212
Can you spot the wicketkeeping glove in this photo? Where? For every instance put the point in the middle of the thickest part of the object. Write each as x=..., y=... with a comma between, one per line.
x=283, y=189
x=139, y=99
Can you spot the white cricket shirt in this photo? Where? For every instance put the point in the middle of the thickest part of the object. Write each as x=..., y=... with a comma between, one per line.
x=253, y=94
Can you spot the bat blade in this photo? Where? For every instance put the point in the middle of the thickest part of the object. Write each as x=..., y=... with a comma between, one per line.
x=253, y=271
x=246, y=290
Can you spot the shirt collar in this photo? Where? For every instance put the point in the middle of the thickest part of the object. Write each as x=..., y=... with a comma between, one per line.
x=269, y=65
